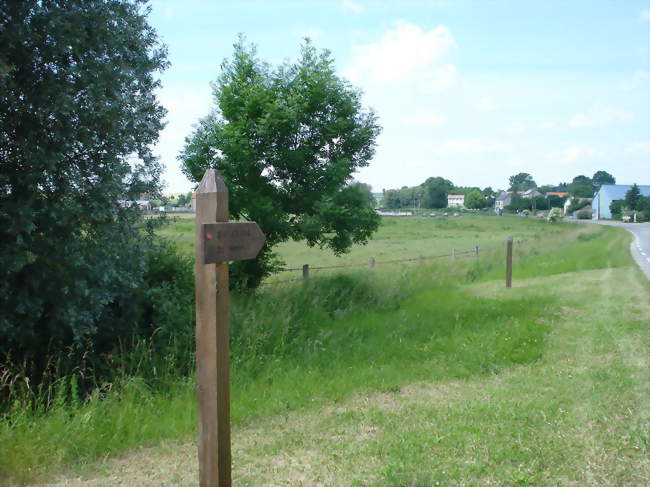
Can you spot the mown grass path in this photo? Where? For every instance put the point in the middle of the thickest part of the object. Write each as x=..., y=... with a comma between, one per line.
x=578, y=415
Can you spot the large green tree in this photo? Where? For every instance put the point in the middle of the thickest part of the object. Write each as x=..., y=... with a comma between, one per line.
x=475, y=200
x=78, y=116
x=436, y=190
x=521, y=182
x=287, y=141
x=602, y=177
x=581, y=187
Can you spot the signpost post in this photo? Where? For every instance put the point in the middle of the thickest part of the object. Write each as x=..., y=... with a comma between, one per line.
x=217, y=242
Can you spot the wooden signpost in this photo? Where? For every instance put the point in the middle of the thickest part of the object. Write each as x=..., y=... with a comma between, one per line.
x=217, y=242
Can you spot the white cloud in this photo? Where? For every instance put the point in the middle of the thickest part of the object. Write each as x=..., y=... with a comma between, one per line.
x=406, y=53
x=599, y=116
x=574, y=155
x=423, y=118
x=354, y=7
x=639, y=148
x=639, y=79
x=644, y=16
x=485, y=104
x=472, y=146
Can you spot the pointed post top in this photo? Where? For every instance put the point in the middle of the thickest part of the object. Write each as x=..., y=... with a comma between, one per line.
x=212, y=182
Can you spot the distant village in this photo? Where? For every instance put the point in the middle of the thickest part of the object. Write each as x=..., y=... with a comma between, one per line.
x=583, y=198
x=598, y=197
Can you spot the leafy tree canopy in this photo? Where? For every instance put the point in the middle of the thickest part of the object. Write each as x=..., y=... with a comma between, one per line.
x=78, y=116
x=435, y=192
x=287, y=140
x=475, y=200
x=602, y=177
x=616, y=208
x=521, y=182
x=581, y=187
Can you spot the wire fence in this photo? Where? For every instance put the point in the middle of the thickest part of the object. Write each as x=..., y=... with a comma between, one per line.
x=371, y=263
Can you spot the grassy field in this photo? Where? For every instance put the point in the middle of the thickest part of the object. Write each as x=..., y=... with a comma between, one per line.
x=404, y=375
x=397, y=238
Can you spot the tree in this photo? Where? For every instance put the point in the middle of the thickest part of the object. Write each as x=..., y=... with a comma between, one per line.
x=602, y=177
x=78, y=117
x=616, y=208
x=287, y=141
x=435, y=192
x=581, y=187
x=632, y=197
x=521, y=182
x=643, y=206
x=475, y=200
x=392, y=199
x=182, y=200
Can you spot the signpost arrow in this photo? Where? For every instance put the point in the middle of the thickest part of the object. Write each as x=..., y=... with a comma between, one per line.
x=217, y=242
x=228, y=241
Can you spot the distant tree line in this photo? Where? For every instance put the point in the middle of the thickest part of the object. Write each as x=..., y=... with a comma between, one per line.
x=181, y=201
x=433, y=193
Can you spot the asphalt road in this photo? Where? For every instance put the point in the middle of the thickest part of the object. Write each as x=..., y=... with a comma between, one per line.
x=640, y=247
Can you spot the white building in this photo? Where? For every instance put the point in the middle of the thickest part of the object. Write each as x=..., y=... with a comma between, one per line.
x=503, y=200
x=455, y=200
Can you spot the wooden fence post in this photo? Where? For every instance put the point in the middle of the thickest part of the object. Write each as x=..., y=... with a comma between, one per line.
x=453, y=255
x=371, y=262
x=305, y=272
x=212, y=349
x=509, y=262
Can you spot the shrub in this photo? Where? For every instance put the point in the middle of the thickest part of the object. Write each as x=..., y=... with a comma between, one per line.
x=583, y=215
x=554, y=215
x=616, y=207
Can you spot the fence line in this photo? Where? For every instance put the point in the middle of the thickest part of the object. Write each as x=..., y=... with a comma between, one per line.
x=372, y=263
x=474, y=251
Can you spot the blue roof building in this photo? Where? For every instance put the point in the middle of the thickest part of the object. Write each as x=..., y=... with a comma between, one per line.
x=611, y=192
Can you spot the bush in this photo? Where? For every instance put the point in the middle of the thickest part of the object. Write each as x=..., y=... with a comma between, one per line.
x=583, y=215
x=554, y=215
x=616, y=207
x=150, y=327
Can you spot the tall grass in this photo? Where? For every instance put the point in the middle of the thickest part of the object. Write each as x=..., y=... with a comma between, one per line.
x=293, y=346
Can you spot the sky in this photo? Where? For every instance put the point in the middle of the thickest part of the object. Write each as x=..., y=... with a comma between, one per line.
x=470, y=90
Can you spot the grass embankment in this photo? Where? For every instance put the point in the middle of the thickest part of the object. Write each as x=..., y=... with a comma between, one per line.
x=400, y=376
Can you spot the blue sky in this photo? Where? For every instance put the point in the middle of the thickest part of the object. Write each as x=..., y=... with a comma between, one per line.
x=470, y=90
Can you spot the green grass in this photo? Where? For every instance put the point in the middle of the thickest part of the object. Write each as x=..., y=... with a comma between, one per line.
x=398, y=238
x=401, y=375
